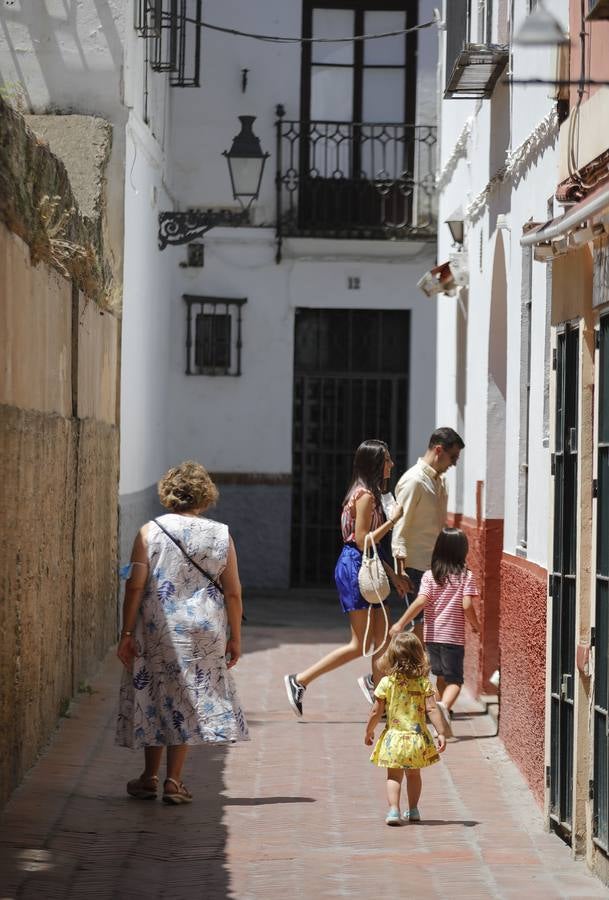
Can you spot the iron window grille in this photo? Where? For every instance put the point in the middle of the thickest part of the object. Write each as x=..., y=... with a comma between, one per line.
x=173, y=31
x=472, y=68
x=600, y=786
x=213, y=335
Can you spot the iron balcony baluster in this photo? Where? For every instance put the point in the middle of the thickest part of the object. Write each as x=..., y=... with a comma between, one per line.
x=358, y=180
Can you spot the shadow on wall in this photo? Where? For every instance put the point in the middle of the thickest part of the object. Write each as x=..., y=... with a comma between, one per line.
x=461, y=384
x=497, y=386
x=56, y=42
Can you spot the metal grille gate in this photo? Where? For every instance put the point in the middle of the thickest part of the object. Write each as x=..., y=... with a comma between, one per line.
x=601, y=637
x=350, y=383
x=563, y=581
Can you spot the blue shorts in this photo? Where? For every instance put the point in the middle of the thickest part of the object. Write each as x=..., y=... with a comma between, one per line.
x=345, y=575
x=415, y=576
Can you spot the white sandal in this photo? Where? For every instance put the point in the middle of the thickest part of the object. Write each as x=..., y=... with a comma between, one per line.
x=180, y=795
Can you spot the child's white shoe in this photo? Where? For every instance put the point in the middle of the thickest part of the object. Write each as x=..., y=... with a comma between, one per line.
x=393, y=816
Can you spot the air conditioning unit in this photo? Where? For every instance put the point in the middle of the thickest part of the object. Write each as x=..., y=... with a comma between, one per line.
x=598, y=9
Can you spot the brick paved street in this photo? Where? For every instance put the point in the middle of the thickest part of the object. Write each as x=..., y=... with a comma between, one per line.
x=296, y=813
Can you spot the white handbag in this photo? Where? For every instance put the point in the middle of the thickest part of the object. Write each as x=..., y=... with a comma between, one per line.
x=373, y=586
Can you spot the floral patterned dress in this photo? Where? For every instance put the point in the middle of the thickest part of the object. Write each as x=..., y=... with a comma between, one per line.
x=180, y=691
x=405, y=742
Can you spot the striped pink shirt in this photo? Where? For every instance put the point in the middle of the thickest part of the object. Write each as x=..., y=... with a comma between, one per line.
x=444, y=619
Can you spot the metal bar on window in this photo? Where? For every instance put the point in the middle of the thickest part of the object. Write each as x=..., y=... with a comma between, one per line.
x=188, y=336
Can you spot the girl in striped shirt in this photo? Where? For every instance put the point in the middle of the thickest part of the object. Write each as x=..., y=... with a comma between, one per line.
x=445, y=597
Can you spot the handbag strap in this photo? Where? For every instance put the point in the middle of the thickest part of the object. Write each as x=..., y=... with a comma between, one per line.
x=369, y=545
x=195, y=564
x=374, y=652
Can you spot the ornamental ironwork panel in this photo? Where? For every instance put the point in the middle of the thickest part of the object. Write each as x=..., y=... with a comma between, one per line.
x=600, y=822
x=355, y=179
x=563, y=582
x=351, y=371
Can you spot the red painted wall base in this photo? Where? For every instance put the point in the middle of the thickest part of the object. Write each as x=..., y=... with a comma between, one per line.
x=522, y=638
x=512, y=614
x=482, y=651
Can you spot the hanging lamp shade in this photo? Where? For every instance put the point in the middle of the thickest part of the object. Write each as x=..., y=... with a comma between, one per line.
x=541, y=29
x=456, y=225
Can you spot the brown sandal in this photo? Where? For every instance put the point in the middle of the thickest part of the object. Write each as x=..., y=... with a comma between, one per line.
x=143, y=788
x=180, y=795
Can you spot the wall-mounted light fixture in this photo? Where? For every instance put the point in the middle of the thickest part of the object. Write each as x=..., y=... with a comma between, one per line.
x=456, y=226
x=541, y=29
x=246, y=162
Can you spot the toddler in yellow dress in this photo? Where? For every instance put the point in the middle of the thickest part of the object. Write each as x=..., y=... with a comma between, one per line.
x=405, y=745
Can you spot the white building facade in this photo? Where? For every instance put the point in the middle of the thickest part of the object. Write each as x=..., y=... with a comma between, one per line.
x=499, y=145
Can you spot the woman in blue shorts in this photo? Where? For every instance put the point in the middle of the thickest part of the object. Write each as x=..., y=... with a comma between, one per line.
x=362, y=513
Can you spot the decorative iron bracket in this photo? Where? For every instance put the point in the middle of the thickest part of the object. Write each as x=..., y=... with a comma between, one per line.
x=184, y=227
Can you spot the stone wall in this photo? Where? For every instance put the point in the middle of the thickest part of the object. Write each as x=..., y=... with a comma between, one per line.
x=59, y=442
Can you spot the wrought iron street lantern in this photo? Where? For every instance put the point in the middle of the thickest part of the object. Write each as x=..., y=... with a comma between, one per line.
x=246, y=162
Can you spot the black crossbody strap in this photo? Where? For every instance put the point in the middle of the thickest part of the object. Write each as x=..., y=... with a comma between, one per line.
x=196, y=565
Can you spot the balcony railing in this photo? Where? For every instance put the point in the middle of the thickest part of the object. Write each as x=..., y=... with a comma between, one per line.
x=373, y=180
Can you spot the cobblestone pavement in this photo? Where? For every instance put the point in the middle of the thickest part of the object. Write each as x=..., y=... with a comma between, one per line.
x=296, y=813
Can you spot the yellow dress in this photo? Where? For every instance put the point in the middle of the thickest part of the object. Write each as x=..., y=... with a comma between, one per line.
x=405, y=742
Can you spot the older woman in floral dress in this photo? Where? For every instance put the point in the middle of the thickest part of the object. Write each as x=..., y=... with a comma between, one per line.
x=181, y=635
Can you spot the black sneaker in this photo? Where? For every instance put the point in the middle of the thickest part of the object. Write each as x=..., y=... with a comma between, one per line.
x=295, y=691
x=367, y=685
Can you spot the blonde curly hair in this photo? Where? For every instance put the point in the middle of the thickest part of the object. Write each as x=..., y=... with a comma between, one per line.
x=405, y=655
x=187, y=486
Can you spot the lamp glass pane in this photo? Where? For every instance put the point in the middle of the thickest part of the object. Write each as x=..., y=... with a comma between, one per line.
x=245, y=175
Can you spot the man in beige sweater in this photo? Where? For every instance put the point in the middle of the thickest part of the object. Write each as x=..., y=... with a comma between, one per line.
x=423, y=496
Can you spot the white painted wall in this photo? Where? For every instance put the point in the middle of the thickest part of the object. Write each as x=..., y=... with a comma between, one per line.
x=466, y=358
x=65, y=56
x=245, y=424
x=147, y=317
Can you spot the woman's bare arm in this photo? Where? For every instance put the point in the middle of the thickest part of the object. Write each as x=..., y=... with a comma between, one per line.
x=134, y=590
x=231, y=586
